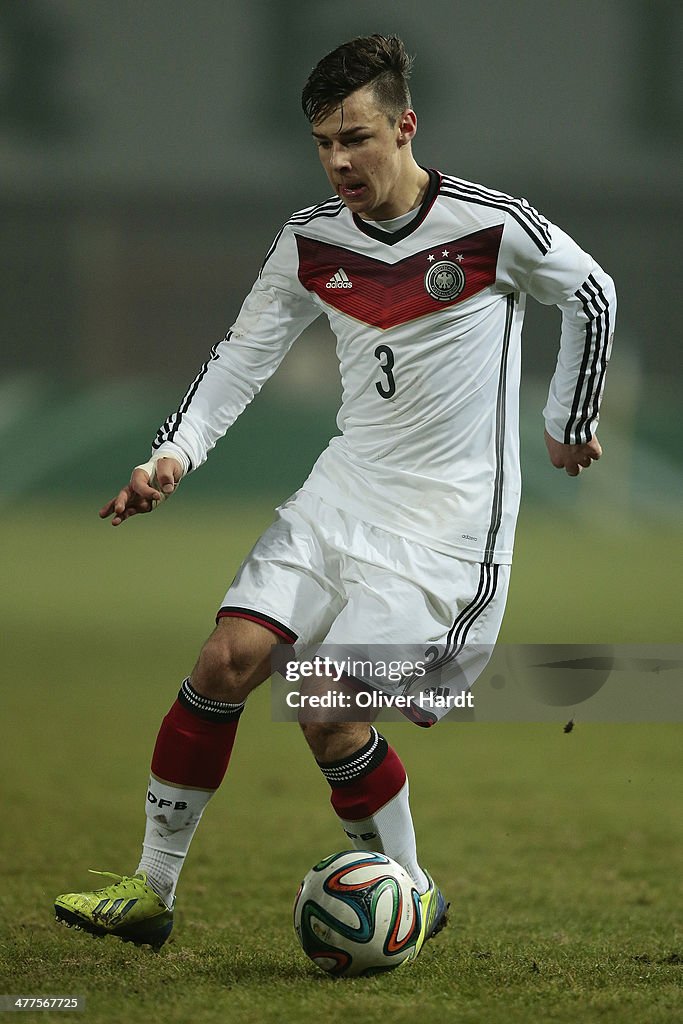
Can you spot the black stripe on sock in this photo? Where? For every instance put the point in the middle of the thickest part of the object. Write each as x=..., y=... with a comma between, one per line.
x=204, y=707
x=357, y=765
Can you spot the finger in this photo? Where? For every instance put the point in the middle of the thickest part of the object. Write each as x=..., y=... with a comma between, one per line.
x=585, y=455
x=165, y=471
x=140, y=507
x=106, y=510
x=126, y=514
x=139, y=483
x=116, y=505
x=122, y=500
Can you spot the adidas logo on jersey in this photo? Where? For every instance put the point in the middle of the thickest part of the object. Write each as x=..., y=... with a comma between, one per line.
x=339, y=280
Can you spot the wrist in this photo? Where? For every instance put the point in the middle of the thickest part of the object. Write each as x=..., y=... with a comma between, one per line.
x=168, y=451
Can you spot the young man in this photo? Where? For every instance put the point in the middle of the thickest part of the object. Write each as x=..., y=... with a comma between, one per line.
x=403, y=531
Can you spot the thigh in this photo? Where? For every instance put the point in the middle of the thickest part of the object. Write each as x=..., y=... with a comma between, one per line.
x=289, y=580
x=398, y=591
x=410, y=605
x=453, y=667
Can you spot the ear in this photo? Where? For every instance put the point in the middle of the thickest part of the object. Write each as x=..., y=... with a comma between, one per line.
x=407, y=127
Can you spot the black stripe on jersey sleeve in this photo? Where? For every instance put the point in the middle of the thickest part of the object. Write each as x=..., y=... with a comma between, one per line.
x=536, y=227
x=330, y=208
x=599, y=361
x=524, y=208
x=593, y=363
x=333, y=206
x=272, y=248
x=169, y=428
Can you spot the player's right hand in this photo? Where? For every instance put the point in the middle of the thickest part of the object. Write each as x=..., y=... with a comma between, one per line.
x=144, y=491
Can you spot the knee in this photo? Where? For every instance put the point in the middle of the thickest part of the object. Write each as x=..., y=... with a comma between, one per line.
x=226, y=670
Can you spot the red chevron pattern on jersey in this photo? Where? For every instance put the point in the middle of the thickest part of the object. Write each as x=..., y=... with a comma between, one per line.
x=385, y=295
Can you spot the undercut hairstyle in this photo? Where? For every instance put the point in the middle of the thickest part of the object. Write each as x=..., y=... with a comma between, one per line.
x=380, y=61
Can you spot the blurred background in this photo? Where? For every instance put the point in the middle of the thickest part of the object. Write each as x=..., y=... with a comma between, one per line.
x=150, y=152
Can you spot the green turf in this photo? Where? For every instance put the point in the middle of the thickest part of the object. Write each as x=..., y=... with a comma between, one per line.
x=561, y=853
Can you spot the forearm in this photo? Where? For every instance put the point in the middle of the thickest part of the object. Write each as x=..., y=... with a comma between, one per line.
x=219, y=393
x=268, y=324
x=562, y=274
x=588, y=317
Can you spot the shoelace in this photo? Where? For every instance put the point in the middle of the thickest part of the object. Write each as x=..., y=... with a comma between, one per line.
x=120, y=879
x=127, y=881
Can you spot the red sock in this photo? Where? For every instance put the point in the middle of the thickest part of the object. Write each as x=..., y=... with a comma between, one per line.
x=366, y=781
x=190, y=759
x=370, y=796
x=195, y=741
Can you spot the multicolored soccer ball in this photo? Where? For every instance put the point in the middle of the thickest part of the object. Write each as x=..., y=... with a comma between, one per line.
x=357, y=912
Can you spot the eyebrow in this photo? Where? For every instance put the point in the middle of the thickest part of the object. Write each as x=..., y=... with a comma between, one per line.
x=346, y=131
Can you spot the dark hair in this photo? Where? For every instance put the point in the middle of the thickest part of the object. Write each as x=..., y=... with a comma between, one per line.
x=380, y=60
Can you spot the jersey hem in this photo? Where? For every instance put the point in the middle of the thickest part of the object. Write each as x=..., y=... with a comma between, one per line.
x=261, y=619
x=468, y=554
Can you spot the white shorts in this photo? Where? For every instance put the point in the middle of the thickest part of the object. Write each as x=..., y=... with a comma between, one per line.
x=319, y=575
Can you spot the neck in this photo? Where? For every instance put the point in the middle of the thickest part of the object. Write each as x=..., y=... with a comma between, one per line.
x=414, y=183
x=418, y=189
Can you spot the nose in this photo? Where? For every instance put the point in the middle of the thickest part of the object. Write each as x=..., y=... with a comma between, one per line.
x=339, y=157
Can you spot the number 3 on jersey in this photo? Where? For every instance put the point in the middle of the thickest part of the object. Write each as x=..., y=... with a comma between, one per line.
x=386, y=389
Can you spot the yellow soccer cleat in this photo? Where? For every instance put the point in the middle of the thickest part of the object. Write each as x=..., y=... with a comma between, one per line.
x=129, y=908
x=434, y=913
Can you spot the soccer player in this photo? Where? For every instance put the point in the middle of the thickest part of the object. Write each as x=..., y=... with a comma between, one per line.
x=403, y=531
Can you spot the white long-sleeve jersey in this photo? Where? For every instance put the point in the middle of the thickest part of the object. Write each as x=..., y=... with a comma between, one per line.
x=428, y=322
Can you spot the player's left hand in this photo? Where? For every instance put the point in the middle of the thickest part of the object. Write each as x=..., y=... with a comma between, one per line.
x=572, y=457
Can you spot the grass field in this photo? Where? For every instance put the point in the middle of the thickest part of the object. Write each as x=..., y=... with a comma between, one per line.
x=561, y=853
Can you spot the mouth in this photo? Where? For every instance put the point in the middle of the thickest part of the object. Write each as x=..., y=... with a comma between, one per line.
x=352, y=190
